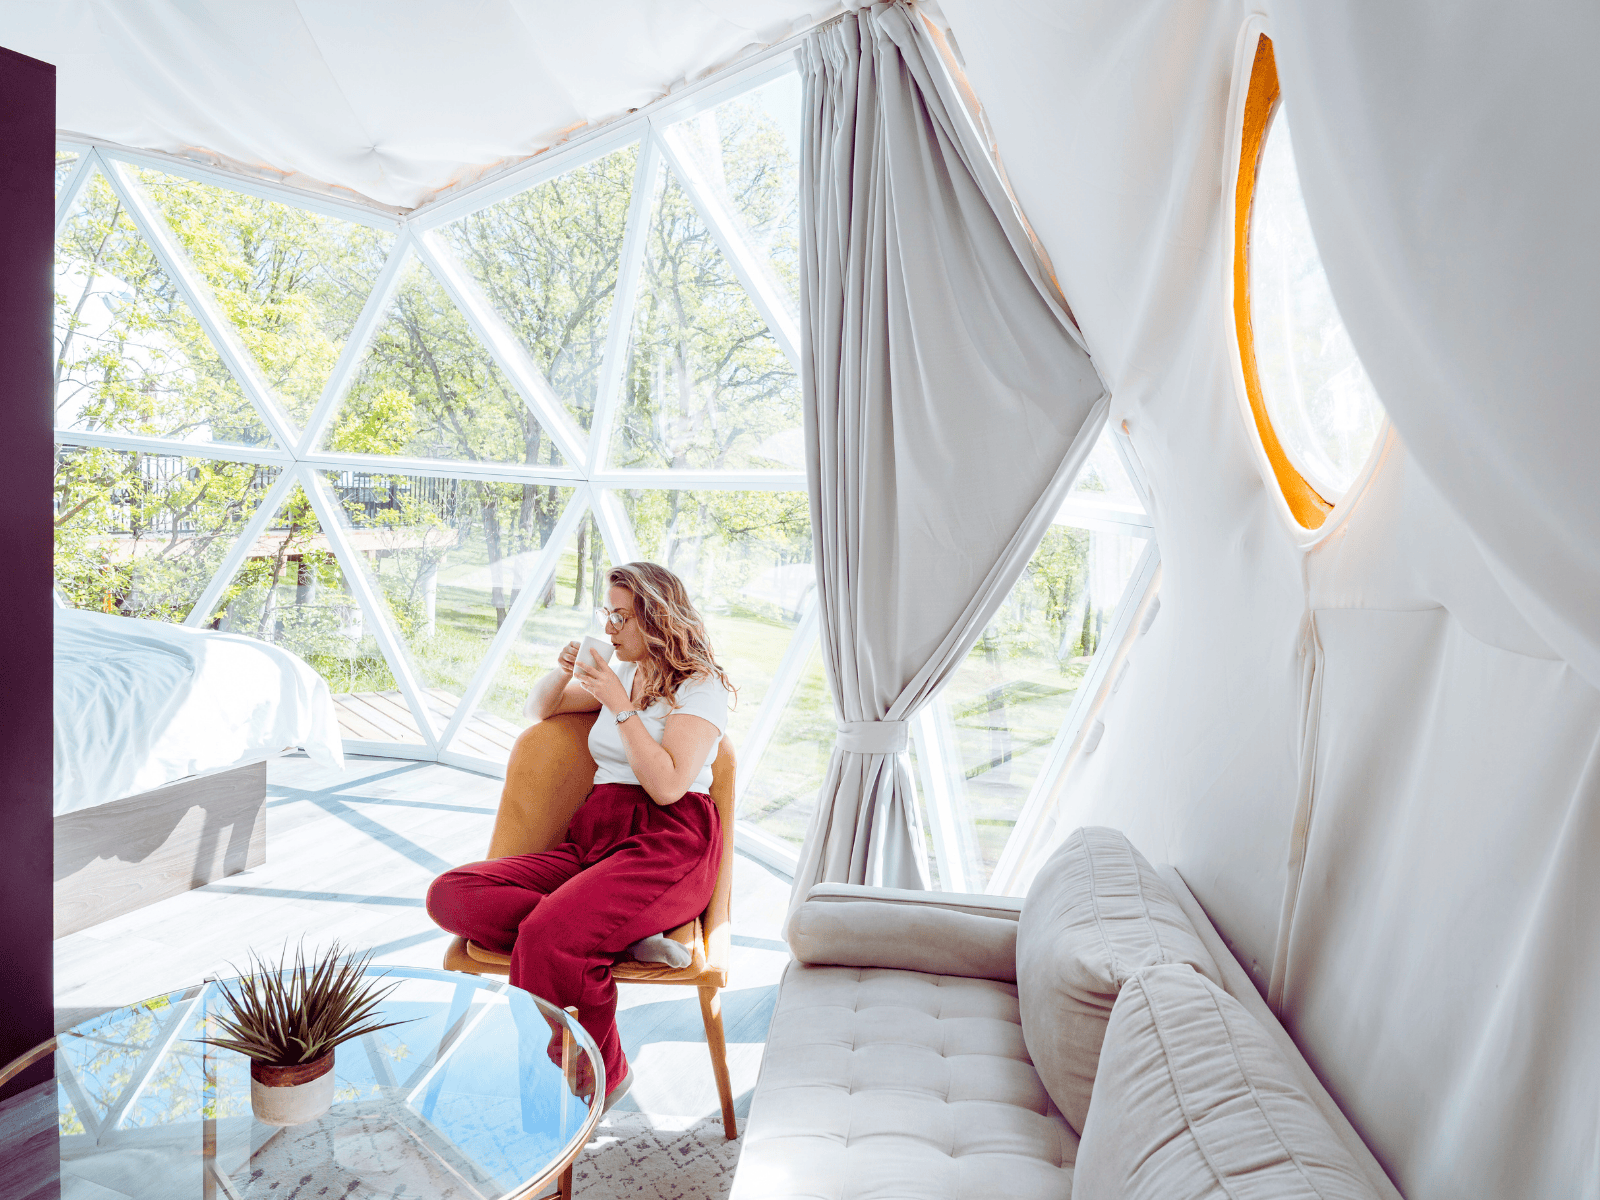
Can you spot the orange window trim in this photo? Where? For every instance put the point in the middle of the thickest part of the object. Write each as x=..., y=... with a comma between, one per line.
x=1261, y=100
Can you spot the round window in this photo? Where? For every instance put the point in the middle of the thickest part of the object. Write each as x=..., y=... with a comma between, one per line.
x=1314, y=406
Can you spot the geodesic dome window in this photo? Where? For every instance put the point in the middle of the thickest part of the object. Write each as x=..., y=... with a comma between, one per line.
x=1316, y=411
x=407, y=448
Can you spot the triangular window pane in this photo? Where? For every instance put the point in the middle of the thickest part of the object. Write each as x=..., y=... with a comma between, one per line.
x=563, y=613
x=428, y=388
x=65, y=161
x=130, y=355
x=746, y=559
x=1103, y=482
x=547, y=261
x=448, y=557
x=291, y=591
x=781, y=796
x=292, y=281
x=1009, y=697
x=745, y=153
x=706, y=386
x=143, y=534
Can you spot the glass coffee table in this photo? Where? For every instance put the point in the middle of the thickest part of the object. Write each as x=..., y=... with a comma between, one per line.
x=463, y=1101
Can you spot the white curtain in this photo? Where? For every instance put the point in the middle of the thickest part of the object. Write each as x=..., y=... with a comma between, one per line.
x=949, y=402
x=1450, y=160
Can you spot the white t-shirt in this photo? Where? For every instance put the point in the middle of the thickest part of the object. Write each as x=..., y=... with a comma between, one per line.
x=704, y=698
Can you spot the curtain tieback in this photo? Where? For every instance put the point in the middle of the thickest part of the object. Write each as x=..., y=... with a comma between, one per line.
x=874, y=737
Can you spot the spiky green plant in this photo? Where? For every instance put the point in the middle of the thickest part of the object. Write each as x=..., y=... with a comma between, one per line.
x=284, y=1016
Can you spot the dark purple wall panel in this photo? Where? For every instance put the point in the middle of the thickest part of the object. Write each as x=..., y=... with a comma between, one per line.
x=27, y=234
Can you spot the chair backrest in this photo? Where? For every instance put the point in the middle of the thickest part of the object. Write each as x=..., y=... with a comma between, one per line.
x=551, y=773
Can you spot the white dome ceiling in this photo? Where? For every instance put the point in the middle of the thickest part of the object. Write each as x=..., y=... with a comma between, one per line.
x=393, y=100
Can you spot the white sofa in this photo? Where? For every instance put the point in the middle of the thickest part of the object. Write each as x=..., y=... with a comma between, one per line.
x=1096, y=1040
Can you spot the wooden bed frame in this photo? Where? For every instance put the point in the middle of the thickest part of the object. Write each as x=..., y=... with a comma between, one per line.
x=117, y=857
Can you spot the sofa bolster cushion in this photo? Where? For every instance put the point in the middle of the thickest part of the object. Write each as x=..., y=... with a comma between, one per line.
x=904, y=937
x=1096, y=914
x=979, y=904
x=1194, y=1101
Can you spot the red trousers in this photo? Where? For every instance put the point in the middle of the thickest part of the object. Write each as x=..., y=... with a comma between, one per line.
x=629, y=868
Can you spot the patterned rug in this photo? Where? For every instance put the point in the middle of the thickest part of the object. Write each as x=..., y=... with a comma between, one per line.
x=630, y=1157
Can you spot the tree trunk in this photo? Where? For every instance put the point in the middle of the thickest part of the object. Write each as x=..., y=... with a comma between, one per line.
x=577, y=565
x=491, y=541
x=999, y=727
x=596, y=558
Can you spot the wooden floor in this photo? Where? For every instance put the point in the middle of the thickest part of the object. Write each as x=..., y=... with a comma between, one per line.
x=349, y=856
x=385, y=717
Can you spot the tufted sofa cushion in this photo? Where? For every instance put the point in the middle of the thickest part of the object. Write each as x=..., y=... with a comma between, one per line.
x=1194, y=1102
x=883, y=1084
x=1097, y=912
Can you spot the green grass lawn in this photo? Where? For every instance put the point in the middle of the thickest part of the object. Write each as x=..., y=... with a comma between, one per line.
x=782, y=795
x=1002, y=749
x=748, y=644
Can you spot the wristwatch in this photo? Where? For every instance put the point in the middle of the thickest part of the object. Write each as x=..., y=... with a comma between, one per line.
x=623, y=716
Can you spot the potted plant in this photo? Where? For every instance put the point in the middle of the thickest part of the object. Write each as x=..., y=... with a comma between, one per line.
x=288, y=1019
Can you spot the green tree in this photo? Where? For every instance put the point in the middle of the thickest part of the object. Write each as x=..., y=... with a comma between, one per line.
x=130, y=355
x=293, y=282
x=293, y=594
x=547, y=260
x=142, y=534
x=706, y=385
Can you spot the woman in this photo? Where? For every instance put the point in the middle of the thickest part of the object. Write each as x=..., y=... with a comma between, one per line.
x=642, y=852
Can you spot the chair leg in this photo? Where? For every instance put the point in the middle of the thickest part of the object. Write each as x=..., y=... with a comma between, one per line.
x=569, y=1074
x=711, y=1012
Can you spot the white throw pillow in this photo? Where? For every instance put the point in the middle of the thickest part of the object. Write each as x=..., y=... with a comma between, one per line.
x=1194, y=1102
x=1096, y=913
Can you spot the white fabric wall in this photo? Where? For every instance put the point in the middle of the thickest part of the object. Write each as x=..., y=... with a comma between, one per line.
x=1440, y=962
x=393, y=100
x=1451, y=162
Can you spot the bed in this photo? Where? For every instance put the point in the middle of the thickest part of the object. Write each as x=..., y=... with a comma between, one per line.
x=162, y=736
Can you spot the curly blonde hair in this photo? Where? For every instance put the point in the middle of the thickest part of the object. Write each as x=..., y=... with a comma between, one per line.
x=680, y=649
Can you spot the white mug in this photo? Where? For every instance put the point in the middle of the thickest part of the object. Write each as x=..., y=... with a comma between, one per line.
x=590, y=642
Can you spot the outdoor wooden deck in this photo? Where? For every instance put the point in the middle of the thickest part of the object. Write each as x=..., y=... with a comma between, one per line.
x=385, y=717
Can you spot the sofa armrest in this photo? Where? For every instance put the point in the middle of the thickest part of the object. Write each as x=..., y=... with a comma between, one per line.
x=1006, y=908
x=836, y=931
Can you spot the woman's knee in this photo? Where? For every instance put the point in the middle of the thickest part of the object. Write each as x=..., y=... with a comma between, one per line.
x=447, y=897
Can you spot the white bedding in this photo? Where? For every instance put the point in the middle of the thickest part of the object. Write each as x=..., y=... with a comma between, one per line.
x=139, y=704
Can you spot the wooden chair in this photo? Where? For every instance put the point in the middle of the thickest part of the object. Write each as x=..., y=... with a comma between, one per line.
x=548, y=777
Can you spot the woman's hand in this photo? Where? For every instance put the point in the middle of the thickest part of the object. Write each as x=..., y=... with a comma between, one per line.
x=557, y=691
x=567, y=657
x=598, y=679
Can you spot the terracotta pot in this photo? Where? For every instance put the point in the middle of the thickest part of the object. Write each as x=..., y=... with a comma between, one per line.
x=291, y=1095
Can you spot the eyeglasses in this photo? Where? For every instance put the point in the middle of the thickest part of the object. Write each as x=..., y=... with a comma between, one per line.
x=612, y=619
